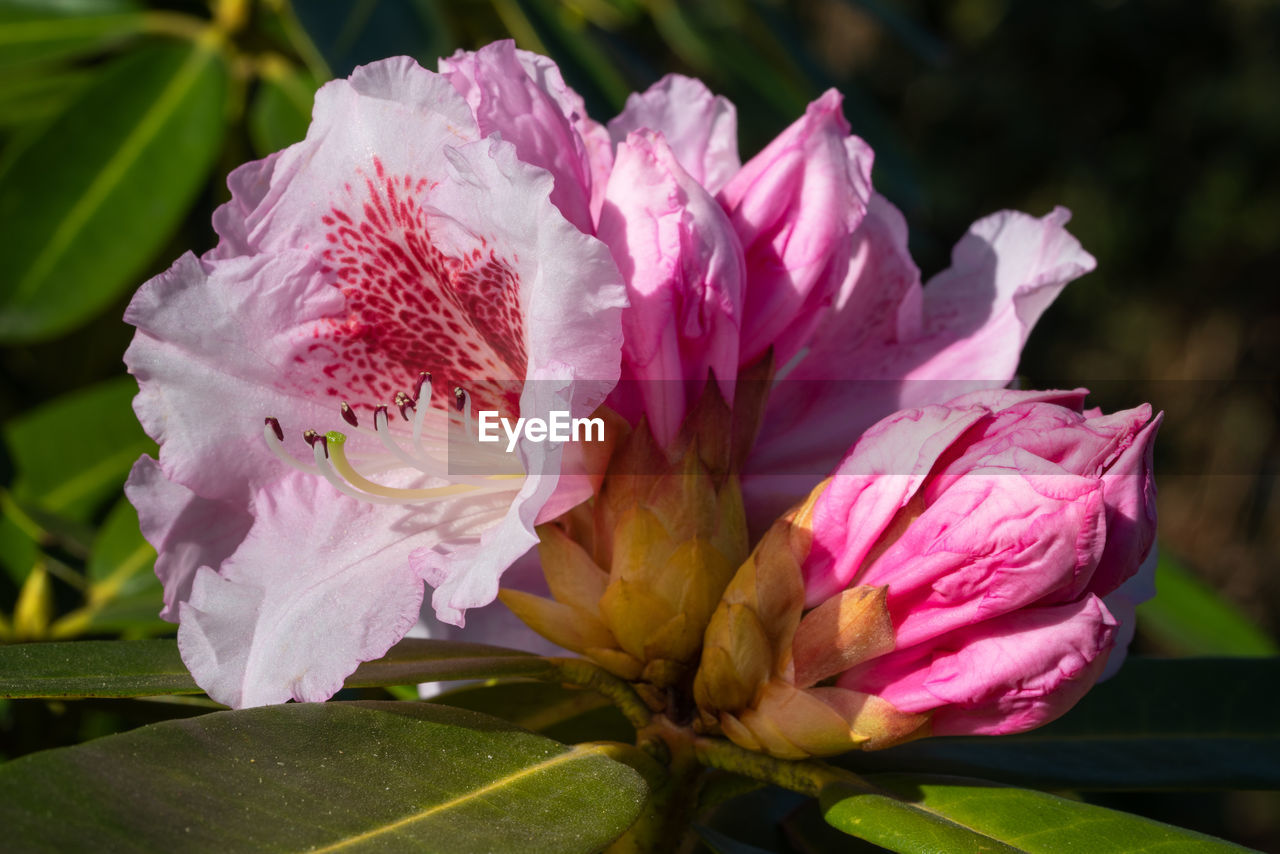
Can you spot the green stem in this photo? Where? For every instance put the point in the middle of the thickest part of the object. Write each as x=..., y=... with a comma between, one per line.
x=580, y=672
x=808, y=777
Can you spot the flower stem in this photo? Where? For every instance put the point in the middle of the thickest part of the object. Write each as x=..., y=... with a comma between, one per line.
x=808, y=777
x=580, y=672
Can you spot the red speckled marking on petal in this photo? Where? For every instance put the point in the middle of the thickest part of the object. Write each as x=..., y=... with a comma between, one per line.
x=411, y=307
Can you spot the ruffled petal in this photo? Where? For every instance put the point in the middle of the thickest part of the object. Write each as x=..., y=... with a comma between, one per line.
x=321, y=583
x=700, y=127
x=187, y=531
x=964, y=331
x=795, y=206
x=523, y=97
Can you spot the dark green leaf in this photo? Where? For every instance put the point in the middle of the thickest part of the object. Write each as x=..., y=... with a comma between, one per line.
x=415, y=660
x=87, y=204
x=94, y=669
x=327, y=777
x=121, y=560
x=73, y=453
x=558, y=711
x=954, y=815
x=147, y=667
x=32, y=32
x=1188, y=617
x=1159, y=724
x=281, y=109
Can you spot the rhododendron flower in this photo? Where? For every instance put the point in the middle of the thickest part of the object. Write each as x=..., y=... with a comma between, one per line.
x=395, y=263
x=954, y=569
x=472, y=237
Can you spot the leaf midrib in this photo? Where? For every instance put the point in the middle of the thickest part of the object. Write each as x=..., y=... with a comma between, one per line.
x=572, y=755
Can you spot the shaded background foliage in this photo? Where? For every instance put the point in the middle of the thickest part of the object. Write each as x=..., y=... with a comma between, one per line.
x=1156, y=123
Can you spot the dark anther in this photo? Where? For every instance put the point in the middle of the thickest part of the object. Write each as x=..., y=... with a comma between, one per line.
x=275, y=428
x=349, y=415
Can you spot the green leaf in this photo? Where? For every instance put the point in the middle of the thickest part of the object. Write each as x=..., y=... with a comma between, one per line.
x=121, y=561
x=281, y=109
x=149, y=667
x=327, y=777
x=31, y=32
x=89, y=202
x=1188, y=617
x=137, y=668
x=1159, y=724
x=954, y=815
x=73, y=453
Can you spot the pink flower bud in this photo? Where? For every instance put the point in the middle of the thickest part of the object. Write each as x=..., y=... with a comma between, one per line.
x=996, y=523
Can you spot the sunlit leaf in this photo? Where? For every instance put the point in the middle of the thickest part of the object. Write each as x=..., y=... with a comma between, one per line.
x=321, y=777
x=955, y=815
x=88, y=203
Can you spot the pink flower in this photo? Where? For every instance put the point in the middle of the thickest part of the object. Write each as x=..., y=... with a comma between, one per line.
x=997, y=523
x=955, y=568
x=397, y=241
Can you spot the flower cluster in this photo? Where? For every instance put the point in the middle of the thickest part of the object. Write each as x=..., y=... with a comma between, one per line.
x=470, y=238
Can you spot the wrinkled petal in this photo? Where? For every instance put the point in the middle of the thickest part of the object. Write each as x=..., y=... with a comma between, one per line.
x=1130, y=490
x=683, y=268
x=795, y=206
x=523, y=97
x=881, y=474
x=700, y=127
x=1002, y=676
x=186, y=531
x=321, y=583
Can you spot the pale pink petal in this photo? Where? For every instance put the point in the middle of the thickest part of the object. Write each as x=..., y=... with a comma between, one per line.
x=187, y=531
x=963, y=332
x=684, y=272
x=249, y=184
x=701, y=128
x=795, y=206
x=523, y=97
x=321, y=583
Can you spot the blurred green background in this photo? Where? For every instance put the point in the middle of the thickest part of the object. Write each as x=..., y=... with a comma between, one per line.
x=1157, y=123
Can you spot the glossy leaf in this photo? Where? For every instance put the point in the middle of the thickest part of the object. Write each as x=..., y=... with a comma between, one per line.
x=89, y=202
x=332, y=776
x=955, y=815
x=1188, y=617
x=1159, y=724
x=74, y=452
x=148, y=667
x=44, y=31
